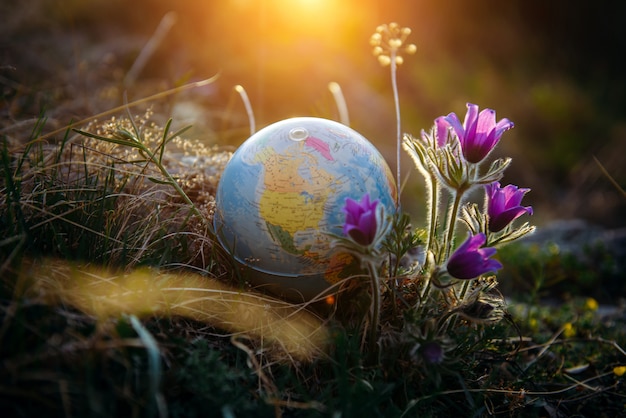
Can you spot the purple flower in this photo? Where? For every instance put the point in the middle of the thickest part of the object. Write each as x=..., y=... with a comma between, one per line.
x=470, y=260
x=432, y=352
x=361, y=224
x=479, y=133
x=503, y=205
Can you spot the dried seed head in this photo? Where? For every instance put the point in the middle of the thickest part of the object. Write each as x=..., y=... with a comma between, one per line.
x=395, y=43
x=384, y=60
x=389, y=42
x=376, y=39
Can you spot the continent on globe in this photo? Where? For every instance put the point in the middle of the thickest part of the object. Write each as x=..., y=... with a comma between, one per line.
x=291, y=182
x=279, y=201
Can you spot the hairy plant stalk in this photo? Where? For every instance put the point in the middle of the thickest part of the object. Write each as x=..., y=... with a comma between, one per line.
x=433, y=210
x=451, y=223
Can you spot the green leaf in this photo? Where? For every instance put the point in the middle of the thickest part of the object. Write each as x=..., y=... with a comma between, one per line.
x=106, y=139
x=158, y=181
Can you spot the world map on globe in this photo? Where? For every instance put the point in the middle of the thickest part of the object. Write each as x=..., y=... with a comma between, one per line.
x=280, y=199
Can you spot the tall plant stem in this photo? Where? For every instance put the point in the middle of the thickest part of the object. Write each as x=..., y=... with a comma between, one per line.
x=374, y=309
x=458, y=197
x=464, y=288
x=396, y=100
x=433, y=214
x=434, y=211
x=246, y=102
x=424, y=294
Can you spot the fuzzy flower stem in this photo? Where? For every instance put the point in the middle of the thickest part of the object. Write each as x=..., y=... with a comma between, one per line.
x=458, y=197
x=396, y=100
x=432, y=226
x=434, y=209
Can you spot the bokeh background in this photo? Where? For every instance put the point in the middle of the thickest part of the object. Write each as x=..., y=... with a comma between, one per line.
x=553, y=67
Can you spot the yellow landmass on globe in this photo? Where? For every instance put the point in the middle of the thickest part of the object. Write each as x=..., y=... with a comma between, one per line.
x=295, y=189
x=292, y=211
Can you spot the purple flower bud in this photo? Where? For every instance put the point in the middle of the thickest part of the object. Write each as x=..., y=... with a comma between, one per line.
x=361, y=224
x=479, y=133
x=441, y=131
x=470, y=260
x=432, y=352
x=503, y=205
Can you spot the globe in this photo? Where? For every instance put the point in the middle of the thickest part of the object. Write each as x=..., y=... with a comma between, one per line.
x=280, y=200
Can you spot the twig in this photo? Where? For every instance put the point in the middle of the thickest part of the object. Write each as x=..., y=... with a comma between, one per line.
x=340, y=101
x=246, y=102
x=611, y=178
x=520, y=392
x=125, y=106
x=154, y=363
x=148, y=50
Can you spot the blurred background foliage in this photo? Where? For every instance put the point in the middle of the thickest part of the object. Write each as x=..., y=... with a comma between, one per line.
x=554, y=68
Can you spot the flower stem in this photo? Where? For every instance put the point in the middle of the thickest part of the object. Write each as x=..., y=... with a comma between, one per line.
x=375, y=309
x=434, y=209
x=458, y=197
x=424, y=294
x=466, y=285
x=246, y=102
x=396, y=100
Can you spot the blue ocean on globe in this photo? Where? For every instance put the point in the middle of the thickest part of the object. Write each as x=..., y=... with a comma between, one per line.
x=280, y=199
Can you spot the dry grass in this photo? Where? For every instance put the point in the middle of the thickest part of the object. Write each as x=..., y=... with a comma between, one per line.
x=112, y=209
x=146, y=292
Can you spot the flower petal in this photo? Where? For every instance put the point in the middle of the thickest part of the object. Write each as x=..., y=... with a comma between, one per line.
x=470, y=261
x=486, y=122
x=501, y=220
x=503, y=125
x=441, y=131
x=455, y=123
x=471, y=117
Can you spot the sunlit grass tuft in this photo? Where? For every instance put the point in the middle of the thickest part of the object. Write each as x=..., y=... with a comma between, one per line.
x=145, y=292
